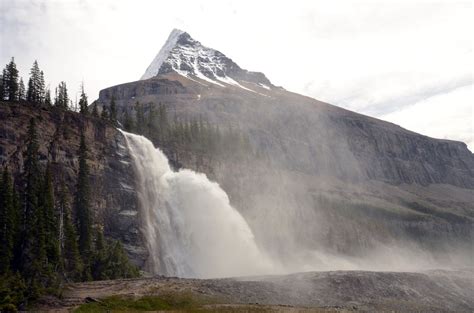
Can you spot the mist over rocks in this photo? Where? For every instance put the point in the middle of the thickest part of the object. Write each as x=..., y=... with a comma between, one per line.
x=326, y=188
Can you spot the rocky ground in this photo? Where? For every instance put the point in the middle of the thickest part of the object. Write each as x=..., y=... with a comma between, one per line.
x=337, y=291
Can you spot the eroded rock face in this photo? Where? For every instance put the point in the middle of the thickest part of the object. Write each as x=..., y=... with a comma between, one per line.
x=113, y=197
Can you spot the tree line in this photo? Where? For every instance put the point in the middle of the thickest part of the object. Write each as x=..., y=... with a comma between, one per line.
x=195, y=135
x=12, y=87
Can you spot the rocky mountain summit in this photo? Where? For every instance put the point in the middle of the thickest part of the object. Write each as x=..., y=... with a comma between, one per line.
x=188, y=57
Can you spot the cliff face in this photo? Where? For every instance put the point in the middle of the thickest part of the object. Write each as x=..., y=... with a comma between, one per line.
x=113, y=198
x=308, y=135
x=324, y=178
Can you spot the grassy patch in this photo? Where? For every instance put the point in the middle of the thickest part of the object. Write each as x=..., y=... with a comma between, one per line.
x=180, y=302
x=183, y=302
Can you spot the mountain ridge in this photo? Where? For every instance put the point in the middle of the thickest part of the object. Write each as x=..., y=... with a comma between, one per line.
x=188, y=57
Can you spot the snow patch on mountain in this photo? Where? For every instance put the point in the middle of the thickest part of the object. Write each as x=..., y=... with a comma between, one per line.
x=189, y=58
x=155, y=65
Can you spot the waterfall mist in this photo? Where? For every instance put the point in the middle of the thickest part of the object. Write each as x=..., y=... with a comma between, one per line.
x=190, y=227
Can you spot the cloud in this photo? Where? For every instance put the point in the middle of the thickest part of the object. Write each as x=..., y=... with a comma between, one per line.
x=446, y=116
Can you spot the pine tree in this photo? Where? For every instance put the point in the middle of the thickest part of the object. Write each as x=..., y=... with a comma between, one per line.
x=117, y=263
x=83, y=101
x=38, y=271
x=100, y=254
x=21, y=91
x=51, y=219
x=7, y=222
x=35, y=92
x=10, y=79
x=34, y=258
x=61, y=99
x=2, y=88
x=16, y=230
x=33, y=250
x=82, y=204
x=72, y=263
x=42, y=88
x=47, y=98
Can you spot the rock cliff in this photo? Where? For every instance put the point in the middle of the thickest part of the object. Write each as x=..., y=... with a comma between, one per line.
x=113, y=197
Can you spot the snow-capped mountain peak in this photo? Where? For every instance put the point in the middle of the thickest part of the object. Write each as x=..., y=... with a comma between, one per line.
x=188, y=57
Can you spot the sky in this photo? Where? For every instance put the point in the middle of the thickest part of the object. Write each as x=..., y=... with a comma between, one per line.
x=407, y=62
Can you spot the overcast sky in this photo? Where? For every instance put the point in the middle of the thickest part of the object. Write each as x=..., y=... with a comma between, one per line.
x=408, y=62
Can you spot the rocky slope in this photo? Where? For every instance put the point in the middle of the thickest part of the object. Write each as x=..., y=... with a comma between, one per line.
x=323, y=178
x=113, y=197
x=341, y=291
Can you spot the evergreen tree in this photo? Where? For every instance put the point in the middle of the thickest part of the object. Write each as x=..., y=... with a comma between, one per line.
x=42, y=88
x=61, y=99
x=117, y=263
x=2, y=88
x=51, y=220
x=82, y=204
x=13, y=292
x=21, y=91
x=7, y=222
x=83, y=101
x=100, y=255
x=30, y=201
x=34, y=263
x=10, y=81
x=38, y=271
x=36, y=84
x=47, y=98
x=72, y=263
x=111, y=261
x=16, y=230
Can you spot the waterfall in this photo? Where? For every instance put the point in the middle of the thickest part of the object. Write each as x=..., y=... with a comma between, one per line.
x=190, y=227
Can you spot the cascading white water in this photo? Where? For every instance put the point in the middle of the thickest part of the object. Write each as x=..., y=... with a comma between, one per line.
x=190, y=227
